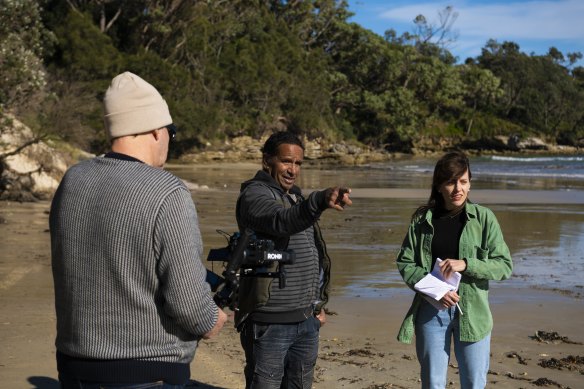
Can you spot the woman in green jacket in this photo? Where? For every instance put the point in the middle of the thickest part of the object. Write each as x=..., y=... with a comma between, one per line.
x=468, y=239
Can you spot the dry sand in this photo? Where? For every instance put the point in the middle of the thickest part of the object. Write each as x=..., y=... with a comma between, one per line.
x=357, y=350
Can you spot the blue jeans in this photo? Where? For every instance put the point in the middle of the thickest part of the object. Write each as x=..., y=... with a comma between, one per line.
x=92, y=385
x=280, y=355
x=434, y=331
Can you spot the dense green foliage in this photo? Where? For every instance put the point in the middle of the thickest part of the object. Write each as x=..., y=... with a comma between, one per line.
x=23, y=43
x=253, y=66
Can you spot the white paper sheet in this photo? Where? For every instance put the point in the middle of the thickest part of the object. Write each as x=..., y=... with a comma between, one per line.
x=434, y=286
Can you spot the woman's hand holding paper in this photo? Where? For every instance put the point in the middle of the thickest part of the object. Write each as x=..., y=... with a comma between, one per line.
x=449, y=266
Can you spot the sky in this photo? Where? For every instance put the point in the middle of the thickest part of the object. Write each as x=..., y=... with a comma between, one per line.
x=535, y=25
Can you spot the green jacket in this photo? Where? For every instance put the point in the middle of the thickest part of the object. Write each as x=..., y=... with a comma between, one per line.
x=486, y=254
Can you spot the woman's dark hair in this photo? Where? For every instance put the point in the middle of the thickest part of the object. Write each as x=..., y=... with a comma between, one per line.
x=450, y=167
x=270, y=148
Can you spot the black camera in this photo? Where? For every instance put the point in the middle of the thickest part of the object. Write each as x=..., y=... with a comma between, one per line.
x=246, y=256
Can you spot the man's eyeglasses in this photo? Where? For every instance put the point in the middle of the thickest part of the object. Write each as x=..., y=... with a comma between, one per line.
x=171, y=131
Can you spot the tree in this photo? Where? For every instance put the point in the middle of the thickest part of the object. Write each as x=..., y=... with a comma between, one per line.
x=84, y=51
x=540, y=93
x=367, y=92
x=23, y=42
x=555, y=55
x=433, y=40
x=316, y=22
x=512, y=67
x=481, y=90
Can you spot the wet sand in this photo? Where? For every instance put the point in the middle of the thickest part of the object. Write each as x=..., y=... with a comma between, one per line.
x=358, y=347
x=490, y=196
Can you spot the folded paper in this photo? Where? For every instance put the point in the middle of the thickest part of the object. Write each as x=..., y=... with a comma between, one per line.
x=434, y=285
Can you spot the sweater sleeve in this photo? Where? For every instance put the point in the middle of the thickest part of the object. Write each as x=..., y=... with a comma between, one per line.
x=186, y=296
x=260, y=211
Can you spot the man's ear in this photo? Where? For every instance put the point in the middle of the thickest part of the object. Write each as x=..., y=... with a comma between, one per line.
x=265, y=164
x=156, y=133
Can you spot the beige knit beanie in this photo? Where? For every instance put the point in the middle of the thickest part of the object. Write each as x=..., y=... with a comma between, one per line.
x=133, y=106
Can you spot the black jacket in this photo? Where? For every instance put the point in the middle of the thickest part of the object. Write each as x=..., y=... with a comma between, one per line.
x=265, y=208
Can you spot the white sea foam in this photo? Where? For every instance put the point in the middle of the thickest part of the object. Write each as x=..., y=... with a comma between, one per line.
x=538, y=159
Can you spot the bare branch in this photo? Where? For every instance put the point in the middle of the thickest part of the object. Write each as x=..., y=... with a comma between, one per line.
x=22, y=147
x=113, y=19
x=441, y=35
x=73, y=7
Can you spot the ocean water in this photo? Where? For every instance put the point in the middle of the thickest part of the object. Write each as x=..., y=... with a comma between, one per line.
x=512, y=172
x=544, y=233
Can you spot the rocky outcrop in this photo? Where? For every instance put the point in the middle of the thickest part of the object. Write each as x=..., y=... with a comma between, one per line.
x=495, y=144
x=30, y=169
x=246, y=148
x=533, y=144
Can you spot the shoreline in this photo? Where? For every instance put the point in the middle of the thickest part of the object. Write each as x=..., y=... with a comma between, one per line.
x=485, y=196
x=234, y=156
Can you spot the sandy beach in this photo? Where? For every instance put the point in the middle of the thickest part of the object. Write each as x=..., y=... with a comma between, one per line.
x=358, y=348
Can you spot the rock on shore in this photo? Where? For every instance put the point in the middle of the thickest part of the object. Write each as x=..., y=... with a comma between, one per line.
x=30, y=169
x=246, y=148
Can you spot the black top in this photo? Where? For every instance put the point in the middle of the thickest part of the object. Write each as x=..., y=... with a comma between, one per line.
x=121, y=156
x=447, y=230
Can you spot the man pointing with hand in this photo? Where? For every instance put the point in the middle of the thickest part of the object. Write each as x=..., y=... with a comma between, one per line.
x=279, y=326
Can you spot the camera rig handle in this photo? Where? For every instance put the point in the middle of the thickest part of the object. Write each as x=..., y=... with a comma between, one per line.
x=237, y=257
x=280, y=274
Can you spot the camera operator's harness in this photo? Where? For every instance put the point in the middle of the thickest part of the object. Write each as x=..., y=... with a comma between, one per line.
x=245, y=256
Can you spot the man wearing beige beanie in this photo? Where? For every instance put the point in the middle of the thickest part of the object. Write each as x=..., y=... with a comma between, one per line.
x=130, y=291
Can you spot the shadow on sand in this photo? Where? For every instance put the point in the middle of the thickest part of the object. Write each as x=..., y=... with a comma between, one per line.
x=51, y=383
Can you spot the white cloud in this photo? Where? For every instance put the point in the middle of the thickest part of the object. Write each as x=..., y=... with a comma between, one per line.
x=535, y=25
x=534, y=20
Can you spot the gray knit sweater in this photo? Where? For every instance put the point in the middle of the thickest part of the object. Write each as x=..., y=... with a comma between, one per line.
x=126, y=257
